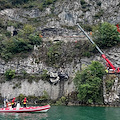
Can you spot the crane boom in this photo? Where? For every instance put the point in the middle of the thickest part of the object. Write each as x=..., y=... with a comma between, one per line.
x=109, y=64
x=90, y=39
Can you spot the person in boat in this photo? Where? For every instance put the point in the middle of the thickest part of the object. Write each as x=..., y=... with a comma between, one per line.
x=25, y=102
x=8, y=104
x=18, y=105
x=13, y=102
x=5, y=101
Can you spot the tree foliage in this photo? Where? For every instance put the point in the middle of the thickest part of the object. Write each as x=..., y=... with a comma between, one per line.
x=89, y=83
x=106, y=35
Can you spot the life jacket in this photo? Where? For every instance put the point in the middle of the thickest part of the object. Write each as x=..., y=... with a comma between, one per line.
x=24, y=101
x=13, y=101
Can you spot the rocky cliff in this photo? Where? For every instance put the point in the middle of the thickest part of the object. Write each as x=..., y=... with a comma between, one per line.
x=57, y=23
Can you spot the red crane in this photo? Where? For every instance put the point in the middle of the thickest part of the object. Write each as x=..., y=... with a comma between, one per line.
x=109, y=64
x=118, y=29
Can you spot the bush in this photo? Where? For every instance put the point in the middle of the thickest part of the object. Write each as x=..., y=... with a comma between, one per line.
x=10, y=74
x=45, y=76
x=28, y=29
x=99, y=14
x=35, y=39
x=82, y=2
x=45, y=96
x=61, y=101
x=13, y=46
x=21, y=97
x=53, y=54
x=106, y=35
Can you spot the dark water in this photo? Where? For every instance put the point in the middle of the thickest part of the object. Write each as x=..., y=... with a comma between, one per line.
x=68, y=113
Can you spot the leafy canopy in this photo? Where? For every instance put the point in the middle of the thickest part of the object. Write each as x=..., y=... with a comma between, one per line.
x=106, y=35
x=89, y=83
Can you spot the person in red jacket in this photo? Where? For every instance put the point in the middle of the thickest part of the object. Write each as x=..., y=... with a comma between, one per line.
x=25, y=101
x=13, y=102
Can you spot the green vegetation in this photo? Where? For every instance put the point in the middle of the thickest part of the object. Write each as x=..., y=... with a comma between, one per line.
x=89, y=83
x=106, y=35
x=33, y=98
x=61, y=101
x=60, y=53
x=99, y=3
x=99, y=14
x=9, y=74
x=82, y=2
x=23, y=42
x=109, y=82
x=84, y=5
x=21, y=97
x=40, y=4
x=45, y=96
x=17, y=85
x=45, y=76
x=53, y=54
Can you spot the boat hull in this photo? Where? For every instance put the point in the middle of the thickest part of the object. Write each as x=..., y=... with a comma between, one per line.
x=26, y=109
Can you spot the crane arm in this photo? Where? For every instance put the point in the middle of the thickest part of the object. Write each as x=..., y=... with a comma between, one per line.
x=102, y=54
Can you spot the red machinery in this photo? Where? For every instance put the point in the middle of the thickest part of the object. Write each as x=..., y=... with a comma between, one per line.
x=111, y=67
x=118, y=29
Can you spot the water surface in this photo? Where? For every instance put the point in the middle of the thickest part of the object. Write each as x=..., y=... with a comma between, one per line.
x=68, y=113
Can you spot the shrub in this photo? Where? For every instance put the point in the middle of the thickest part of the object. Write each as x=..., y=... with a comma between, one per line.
x=45, y=96
x=53, y=53
x=31, y=78
x=106, y=35
x=99, y=14
x=21, y=97
x=48, y=2
x=82, y=2
x=10, y=74
x=35, y=39
x=61, y=101
x=99, y=3
x=28, y=29
x=45, y=76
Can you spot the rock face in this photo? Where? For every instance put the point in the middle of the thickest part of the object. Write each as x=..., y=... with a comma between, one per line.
x=68, y=13
x=61, y=27
x=62, y=87
x=35, y=89
x=113, y=96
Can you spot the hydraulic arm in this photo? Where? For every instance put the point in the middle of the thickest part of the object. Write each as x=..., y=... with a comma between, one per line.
x=109, y=64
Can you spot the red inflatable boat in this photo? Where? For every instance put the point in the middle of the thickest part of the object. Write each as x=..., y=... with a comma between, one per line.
x=26, y=109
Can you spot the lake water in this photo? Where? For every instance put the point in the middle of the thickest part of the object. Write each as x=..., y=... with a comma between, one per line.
x=68, y=113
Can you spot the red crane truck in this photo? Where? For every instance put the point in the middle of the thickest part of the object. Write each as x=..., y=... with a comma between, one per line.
x=111, y=67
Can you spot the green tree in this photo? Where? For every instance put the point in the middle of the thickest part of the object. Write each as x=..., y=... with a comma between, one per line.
x=106, y=35
x=89, y=83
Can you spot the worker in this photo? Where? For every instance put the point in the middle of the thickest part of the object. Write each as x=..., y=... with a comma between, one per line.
x=25, y=101
x=106, y=71
x=8, y=104
x=13, y=102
